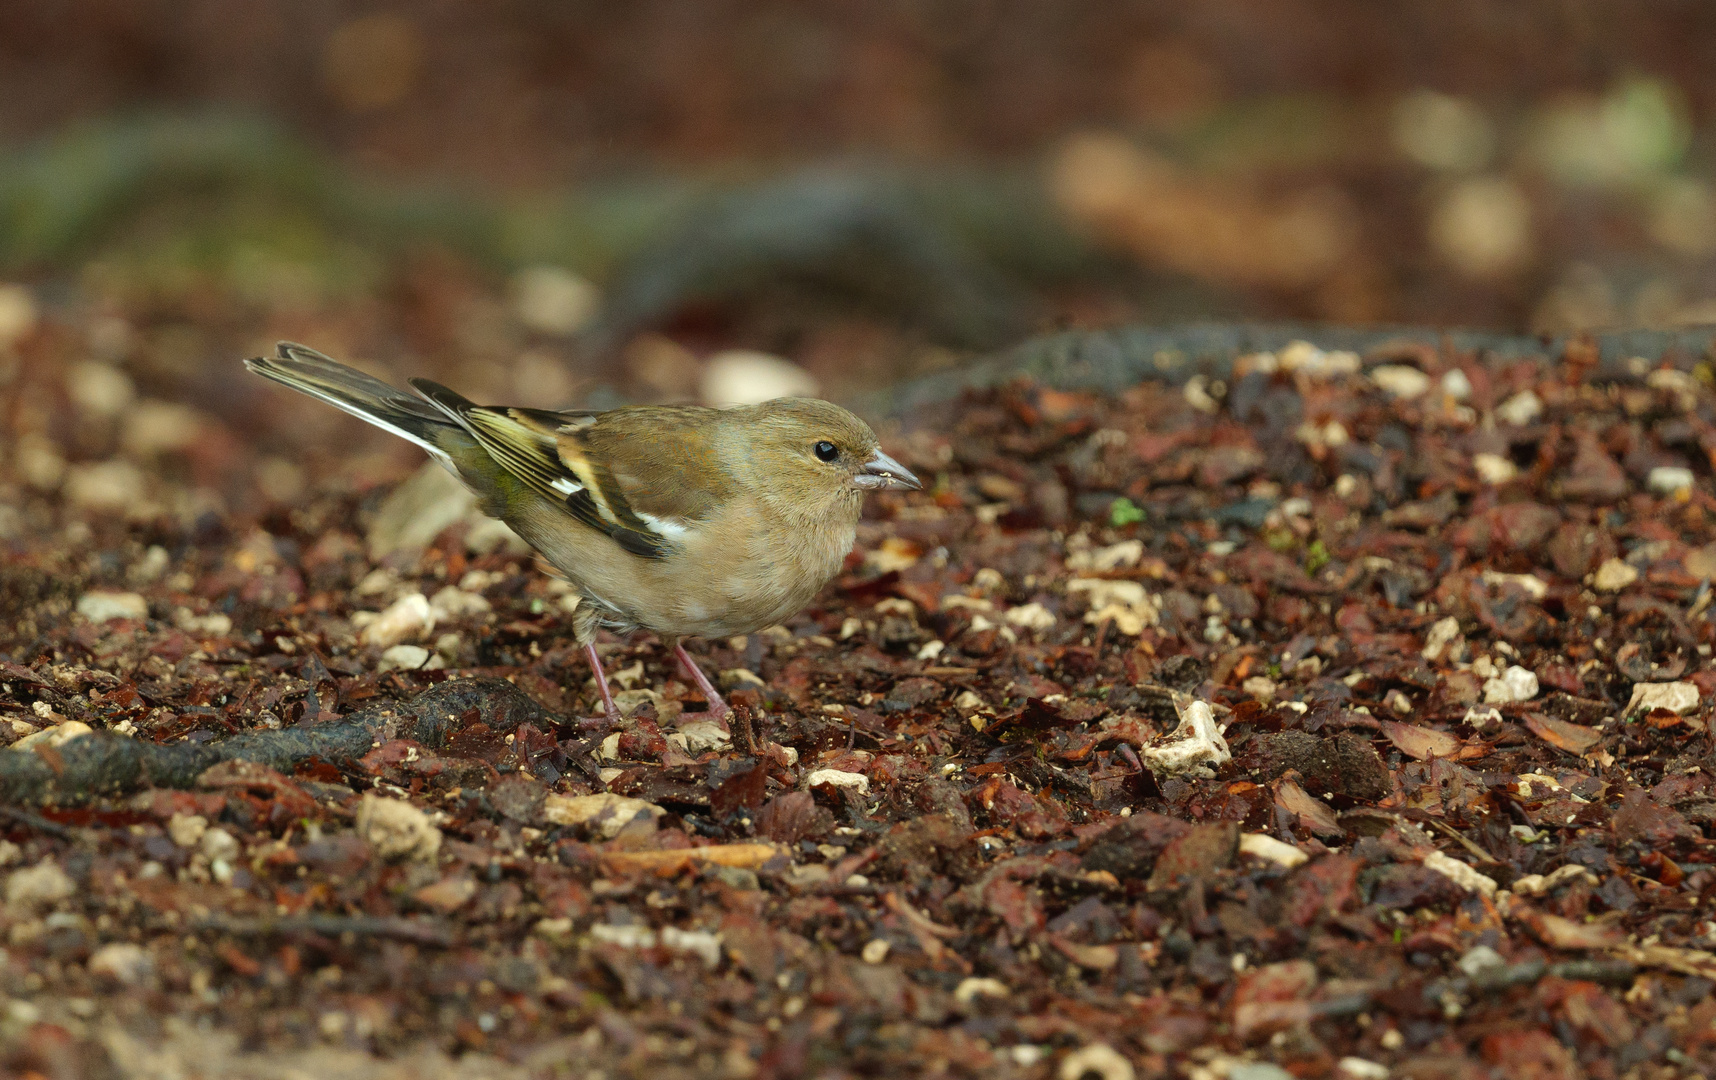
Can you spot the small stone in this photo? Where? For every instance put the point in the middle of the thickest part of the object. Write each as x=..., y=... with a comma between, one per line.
x=403, y=658
x=604, y=813
x=488, y=535
x=1460, y=874
x=1613, y=576
x=1669, y=479
x=1258, y=1070
x=1105, y=1062
x=38, y=886
x=1520, y=409
x=219, y=844
x=39, y=462
x=1032, y=616
x=1514, y=684
x=408, y=618
x=1442, y=634
x=99, y=390
x=106, y=487
x=1677, y=697
x=155, y=427
x=1260, y=687
x=123, y=962
x=703, y=944
x=875, y=951
x=1269, y=849
x=449, y=894
x=1455, y=384
x=974, y=987
x=103, y=606
x=1401, y=380
x=150, y=568
x=18, y=313
x=396, y=829
x=186, y=830
x=838, y=778
x=553, y=300
x=452, y=603
x=417, y=511
x=743, y=377
x=1494, y=469
x=1480, y=959
x=58, y=735
x=1357, y=1068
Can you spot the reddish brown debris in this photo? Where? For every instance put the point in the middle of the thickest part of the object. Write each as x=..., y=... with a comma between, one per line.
x=1448, y=831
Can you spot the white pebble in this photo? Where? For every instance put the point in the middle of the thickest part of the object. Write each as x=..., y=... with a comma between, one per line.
x=743, y=377
x=1400, y=380
x=409, y=618
x=38, y=886
x=838, y=778
x=123, y=962
x=1676, y=697
x=1514, y=684
x=1098, y=1058
x=1494, y=469
x=403, y=658
x=101, y=606
x=1613, y=576
x=1521, y=409
x=396, y=829
x=1456, y=385
x=1668, y=479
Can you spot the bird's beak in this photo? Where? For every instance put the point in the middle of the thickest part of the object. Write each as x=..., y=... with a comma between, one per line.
x=883, y=472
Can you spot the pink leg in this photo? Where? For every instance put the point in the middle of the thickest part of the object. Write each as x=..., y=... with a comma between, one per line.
x=613, y=712
x=717, y=708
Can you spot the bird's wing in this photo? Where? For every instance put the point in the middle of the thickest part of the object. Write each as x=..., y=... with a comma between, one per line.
x=644, y=475
x=657, y=464
x=527, y=443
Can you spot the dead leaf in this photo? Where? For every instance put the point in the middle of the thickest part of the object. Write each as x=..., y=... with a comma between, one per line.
x=1313, y=813
x=1420, y=743
x=1573, y=738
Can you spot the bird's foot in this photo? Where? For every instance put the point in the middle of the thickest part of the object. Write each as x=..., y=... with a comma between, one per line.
x=718, y=710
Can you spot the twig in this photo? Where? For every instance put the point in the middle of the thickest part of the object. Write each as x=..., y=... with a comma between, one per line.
x=35, y=821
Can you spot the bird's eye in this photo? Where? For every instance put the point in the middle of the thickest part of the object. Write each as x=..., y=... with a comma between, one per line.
x=825, y=450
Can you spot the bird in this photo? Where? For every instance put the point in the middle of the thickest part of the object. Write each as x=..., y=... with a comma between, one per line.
x=682, y=520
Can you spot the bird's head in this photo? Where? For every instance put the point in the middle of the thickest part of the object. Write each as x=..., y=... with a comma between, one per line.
x=812, y=453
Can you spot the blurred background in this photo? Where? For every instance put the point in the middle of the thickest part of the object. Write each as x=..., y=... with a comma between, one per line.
x=560, y=201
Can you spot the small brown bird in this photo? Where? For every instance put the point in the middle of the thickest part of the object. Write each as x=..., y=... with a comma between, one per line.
x=683, y=520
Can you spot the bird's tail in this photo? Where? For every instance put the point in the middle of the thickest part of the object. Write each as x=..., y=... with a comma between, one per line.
x=309, y=372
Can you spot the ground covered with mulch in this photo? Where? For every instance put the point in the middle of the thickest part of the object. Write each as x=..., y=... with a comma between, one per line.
x=1348, y=718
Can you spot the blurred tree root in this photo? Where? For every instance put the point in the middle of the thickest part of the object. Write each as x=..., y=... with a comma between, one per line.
x=944, y=250
x=1111, y=360
x=103, y=764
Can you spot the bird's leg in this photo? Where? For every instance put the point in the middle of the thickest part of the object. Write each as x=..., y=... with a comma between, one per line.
x=610, y=711
x=718, y=709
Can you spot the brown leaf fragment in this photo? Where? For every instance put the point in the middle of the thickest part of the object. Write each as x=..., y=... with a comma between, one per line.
x=1559, y=933
x=1422, y=743
x=794, y=816
x=1273, y=998
x=449, y=894
x=1312, y=812
x=1197, y=855
x=1573, y=738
